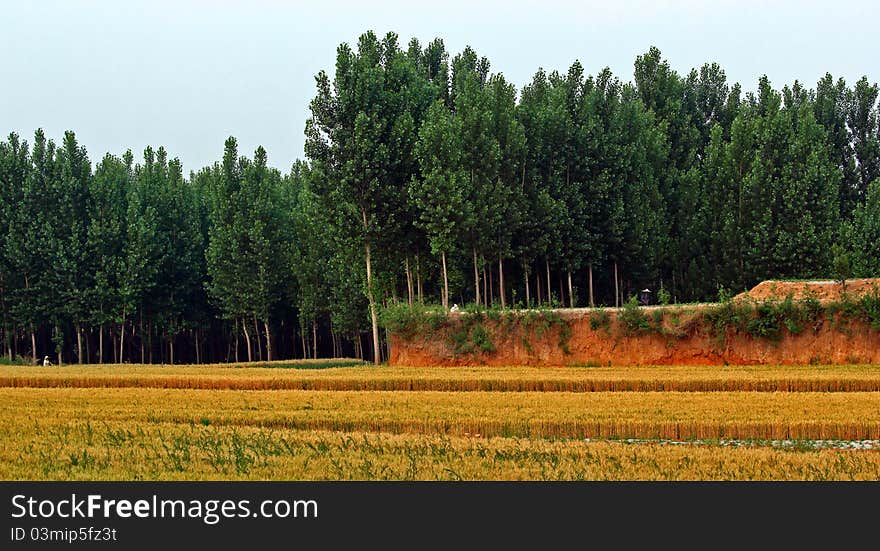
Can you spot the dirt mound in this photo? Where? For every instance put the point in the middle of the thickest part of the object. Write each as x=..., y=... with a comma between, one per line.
x=820, y=289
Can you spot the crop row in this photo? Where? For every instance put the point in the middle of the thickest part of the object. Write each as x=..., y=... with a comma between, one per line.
x=518, y=379
x=680, y=416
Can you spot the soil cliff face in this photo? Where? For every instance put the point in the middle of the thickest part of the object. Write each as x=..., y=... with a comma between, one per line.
x=824, y=343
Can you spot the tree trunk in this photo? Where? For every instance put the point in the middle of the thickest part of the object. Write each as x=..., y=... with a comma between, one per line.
x=445, y=298
x=235, y=337
x=501, y=282
x=143, y=356
x=315, y=340
x=616, y=287
x=476, y=277
x=526, y=279
x=268, y=341
x=115, y=348
x=374, y=316
x=33, y=330
x=673, y=288
x=58, y=349
x=538, y=297
x=130, y=344
x=171, y=349
x=101, y=343
x=302, y=337
x=570, y=291
x=409, y=282
x=488, y=296
x=590, y=272
x=247, y=340
x=198, y=351
x=549, y=294
x=259, y=340
x=419, y=279
x=122, y=336
x=561, y=292
x=79, y=344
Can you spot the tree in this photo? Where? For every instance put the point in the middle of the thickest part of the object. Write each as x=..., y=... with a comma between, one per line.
x=15, y=167
x=266, y=233
x=862, y=119
x=439, y=194
x=480, y=156
x=359, y=136
x=26, y=243
x=863, y=235
x=226, y=255
x=108, y=208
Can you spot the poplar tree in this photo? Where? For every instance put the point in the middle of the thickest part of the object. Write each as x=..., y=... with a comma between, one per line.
x=863, y=235
x=360, y=135
x=15, y=167
x=439, y=193
x=107, y=233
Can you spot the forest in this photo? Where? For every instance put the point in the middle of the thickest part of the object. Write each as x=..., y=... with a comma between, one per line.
x=428, y=178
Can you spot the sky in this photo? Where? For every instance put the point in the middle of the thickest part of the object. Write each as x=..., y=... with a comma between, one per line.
x=186, y=74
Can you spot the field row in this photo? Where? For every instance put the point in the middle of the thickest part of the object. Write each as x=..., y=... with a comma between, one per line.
x=80, y=450
x=677, y=416
x=507, y=379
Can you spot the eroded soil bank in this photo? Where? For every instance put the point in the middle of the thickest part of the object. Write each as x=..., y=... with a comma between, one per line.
x=857, y=343
x=803, y=322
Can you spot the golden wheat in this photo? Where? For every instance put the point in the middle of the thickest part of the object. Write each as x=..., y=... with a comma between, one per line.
x=509, y=379
x=743, y=415
x=79, y=450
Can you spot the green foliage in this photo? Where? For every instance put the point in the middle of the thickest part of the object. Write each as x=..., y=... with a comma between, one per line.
x=632, y=319
x=663, y=296
x=18, y=360
x=841, y=264
x=415, y=320
x=862, y=235
x=600, y=319
x=469, y=335
x=870, y=308
x=726, y=317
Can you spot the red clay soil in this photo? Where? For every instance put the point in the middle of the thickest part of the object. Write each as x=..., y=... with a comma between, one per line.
x=820, y=289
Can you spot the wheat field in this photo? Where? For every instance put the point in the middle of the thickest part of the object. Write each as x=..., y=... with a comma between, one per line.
x=819, y=378
x=340, y=423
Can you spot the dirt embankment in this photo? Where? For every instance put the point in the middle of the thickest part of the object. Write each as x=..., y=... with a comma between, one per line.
x=820, y=289
x=587, y=344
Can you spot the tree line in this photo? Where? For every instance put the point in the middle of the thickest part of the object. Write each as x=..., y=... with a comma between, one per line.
x=429, y=178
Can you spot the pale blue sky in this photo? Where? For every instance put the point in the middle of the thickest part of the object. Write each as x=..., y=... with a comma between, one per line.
x=185, y=74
